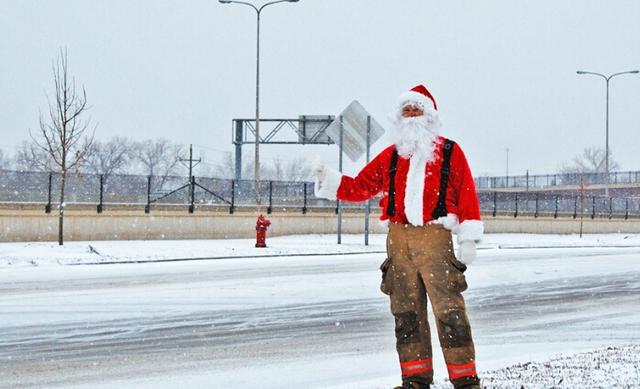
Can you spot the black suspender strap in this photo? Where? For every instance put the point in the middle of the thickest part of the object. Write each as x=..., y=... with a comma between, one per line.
x=441, y=208
x=391, y=203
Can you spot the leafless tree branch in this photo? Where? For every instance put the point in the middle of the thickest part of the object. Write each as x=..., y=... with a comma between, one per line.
x=63, y=135
x=592, y=160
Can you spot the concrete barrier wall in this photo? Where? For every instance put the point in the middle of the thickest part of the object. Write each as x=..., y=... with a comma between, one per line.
x=22, y=222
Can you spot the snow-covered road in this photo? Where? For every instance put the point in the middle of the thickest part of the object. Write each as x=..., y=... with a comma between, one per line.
x=316, y=322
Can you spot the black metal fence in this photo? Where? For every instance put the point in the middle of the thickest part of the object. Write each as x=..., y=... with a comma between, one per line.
x=102, y=191
x=551, y=180
x=36, y=187
x=539, y=204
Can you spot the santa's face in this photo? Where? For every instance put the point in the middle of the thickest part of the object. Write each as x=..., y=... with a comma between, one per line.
x=411, y=111
x=415, y=131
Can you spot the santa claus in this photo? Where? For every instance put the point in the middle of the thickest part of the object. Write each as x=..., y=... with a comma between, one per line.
x=427, y=193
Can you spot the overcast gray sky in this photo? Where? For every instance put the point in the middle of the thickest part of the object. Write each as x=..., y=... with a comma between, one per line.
x=502, y=71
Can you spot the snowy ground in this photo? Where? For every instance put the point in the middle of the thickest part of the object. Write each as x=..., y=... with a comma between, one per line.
x=547, y=311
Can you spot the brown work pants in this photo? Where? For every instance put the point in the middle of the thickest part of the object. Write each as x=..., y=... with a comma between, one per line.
x=421, y=263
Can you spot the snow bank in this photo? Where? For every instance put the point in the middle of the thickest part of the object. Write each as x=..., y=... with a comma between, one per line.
x=103, y=252
x=613, y=367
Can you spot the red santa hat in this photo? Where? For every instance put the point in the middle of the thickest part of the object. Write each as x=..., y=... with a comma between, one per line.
x=420, y=96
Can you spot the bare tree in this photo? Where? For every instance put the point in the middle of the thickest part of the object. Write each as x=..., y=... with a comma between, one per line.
x=297, y=169
x=29, y=157
x=277, y=169
x=592, y=160
x=4, y=161
x=63, y=134
x=108, y=157
x=158, y=158
x=226, y=168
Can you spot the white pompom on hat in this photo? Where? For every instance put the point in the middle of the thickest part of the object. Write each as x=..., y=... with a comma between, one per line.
x=420, y=96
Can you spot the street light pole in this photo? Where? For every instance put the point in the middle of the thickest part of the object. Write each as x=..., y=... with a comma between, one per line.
x=256, y=167
x=606, y=148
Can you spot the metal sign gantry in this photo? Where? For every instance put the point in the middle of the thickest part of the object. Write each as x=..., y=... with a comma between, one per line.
x=310, y=130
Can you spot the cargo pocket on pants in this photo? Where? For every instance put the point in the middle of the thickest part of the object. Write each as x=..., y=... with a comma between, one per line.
x=456, y=281
x=385, y=268
x=456, y=263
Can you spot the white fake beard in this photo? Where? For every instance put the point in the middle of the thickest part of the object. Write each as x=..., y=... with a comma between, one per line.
x=416, y=136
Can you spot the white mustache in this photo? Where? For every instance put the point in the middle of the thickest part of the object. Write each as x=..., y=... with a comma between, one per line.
x=415, y=135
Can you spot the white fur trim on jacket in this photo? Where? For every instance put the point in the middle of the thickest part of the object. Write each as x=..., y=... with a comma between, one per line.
x=449, y=222
x=470, y=230
x=328, y=187
x=414, y=194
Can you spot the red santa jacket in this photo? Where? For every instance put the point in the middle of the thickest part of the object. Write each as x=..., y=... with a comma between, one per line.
x=417, y=187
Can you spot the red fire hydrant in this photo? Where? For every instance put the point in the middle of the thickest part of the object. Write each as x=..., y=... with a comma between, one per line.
x=261, y=231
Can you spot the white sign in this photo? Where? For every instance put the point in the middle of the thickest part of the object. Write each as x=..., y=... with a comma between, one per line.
x=353, y=124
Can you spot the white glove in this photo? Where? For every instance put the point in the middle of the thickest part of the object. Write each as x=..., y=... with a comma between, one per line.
x=327, y=180
x=467, y=252
x=319, y=170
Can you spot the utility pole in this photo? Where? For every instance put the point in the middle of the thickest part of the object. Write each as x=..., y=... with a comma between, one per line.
x=191, y=161
x=192, y=181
